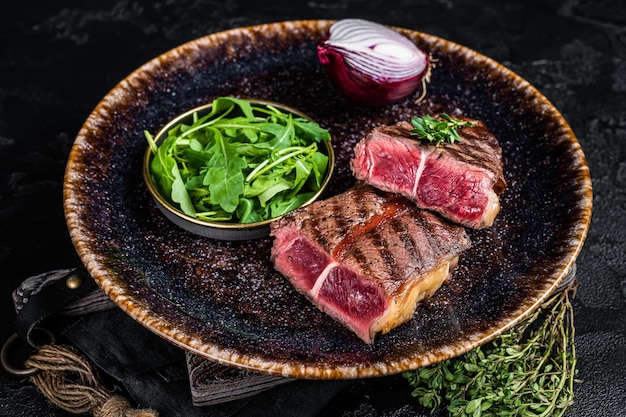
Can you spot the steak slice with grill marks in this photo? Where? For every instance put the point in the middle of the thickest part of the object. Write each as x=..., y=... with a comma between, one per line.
x=366, y=257
x=462, y=181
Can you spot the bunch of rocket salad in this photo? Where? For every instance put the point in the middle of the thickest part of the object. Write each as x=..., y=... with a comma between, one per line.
x=241, y=162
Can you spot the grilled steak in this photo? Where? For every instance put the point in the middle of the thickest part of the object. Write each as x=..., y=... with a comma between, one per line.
x=366, y=257
x=461, y=181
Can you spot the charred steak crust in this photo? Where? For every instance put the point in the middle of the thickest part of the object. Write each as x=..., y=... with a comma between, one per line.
x=478, y=147
x=461, y=181
x=366, y=257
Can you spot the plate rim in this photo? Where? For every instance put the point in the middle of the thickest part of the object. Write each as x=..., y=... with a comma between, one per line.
x=143, y=314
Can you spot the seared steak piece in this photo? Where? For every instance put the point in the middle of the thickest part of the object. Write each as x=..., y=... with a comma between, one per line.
x=366, y=257
x=461, y=181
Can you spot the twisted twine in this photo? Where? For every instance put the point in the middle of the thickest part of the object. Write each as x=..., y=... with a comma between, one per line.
x=69, y=382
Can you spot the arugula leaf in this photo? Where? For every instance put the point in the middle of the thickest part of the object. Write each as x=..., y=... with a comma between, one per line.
x=239, y=162
x=224, y=104
x=248, y=149
x=278, y=186
x=224, y=175
x=180, y=194
x=302, y=170
x=310, y=130
x=282, y=134
x=278, y=207
x=320, y=165
x=247, y=210
x=161, y=168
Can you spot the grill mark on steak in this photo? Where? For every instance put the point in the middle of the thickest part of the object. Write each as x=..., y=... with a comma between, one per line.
x=384, y=254
x=408, y=235
x=339, y=222
x=360, y=257
x=362, y=209
x=374, y=269
x=405, y=238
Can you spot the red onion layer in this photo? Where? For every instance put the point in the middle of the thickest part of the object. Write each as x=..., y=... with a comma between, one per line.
x=371, y=64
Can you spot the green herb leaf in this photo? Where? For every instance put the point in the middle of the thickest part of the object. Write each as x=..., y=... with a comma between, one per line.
x=528, y=371
x=248, y=210
x=437, y=131
x=278, y=207
x=310, y=130
x=240, y=162
x=180, y=194
x=224, y=175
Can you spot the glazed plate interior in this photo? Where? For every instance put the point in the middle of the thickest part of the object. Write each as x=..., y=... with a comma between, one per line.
x=224, y=301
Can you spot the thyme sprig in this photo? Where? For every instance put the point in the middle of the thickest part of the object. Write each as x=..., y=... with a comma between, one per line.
x=528, y=371
x=437, y=131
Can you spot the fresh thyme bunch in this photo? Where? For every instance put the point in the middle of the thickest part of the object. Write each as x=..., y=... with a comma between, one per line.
x=528, y=371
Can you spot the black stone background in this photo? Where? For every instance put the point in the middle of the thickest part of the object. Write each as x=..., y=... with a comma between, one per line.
x=59, y=58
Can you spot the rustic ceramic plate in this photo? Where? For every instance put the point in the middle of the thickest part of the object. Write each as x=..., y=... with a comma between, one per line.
x=223, y=300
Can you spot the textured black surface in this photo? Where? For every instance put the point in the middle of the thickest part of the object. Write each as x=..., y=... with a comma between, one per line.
x=59, y=59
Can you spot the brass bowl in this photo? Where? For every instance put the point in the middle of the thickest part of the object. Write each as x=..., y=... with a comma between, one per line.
x=226, y=230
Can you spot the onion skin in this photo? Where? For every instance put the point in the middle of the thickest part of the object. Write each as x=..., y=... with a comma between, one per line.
x=368, y=89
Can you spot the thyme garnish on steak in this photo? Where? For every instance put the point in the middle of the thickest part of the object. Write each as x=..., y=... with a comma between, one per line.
x=437, y=131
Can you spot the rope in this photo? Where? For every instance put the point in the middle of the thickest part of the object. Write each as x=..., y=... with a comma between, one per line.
x=69, y=382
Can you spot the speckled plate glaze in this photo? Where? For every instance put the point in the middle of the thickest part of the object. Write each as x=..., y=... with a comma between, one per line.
x=223, y=300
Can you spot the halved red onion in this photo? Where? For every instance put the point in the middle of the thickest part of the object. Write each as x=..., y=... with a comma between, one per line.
x=371, y=64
